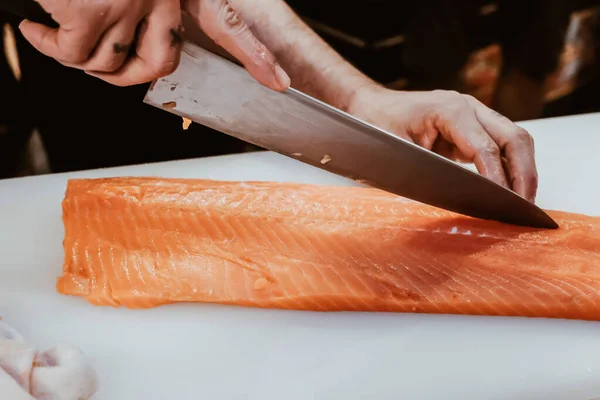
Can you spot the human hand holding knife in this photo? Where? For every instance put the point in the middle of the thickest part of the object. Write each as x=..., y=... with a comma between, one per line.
x=128, y=42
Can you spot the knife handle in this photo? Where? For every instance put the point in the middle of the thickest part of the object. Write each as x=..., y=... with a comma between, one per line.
x=30, y=10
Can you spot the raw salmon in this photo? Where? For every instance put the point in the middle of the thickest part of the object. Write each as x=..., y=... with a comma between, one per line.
x=144, y=242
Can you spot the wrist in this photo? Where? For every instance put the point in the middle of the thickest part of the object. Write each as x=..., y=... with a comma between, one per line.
x=313, y=66
x=363, y=98
x=341, y=89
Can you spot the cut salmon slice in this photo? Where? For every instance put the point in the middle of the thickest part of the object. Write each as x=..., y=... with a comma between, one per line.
x=144, y=242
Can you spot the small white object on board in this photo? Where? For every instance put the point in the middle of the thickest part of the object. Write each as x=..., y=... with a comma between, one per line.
x=60, y=373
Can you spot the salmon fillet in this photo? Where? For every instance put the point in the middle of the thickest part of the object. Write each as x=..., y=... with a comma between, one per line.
x=144, y=242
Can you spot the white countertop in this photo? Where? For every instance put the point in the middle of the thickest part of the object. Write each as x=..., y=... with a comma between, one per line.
x=195, y=351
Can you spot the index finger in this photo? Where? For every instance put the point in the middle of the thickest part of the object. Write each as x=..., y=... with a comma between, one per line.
x=518, y=148
x=468, y=135
x=221, y=23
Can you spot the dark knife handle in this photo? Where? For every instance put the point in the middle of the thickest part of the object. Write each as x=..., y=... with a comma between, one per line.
x=28, y=9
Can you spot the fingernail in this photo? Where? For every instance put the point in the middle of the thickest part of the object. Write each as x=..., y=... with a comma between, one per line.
x=282, y=77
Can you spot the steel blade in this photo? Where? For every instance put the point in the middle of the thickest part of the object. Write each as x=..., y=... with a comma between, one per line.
x=215, y=92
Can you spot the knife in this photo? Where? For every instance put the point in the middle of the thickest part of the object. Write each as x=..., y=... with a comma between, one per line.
x=220, y=94
x=28, y=9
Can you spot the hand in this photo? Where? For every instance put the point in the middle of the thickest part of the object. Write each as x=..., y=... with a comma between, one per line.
x=128, y=42
x=221, y=22
x=124, y=42
x=458, y=127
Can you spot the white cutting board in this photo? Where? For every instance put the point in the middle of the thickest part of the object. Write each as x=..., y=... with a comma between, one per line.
x=196, y=351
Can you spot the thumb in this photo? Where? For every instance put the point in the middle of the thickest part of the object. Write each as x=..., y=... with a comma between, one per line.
x=41, y=37
x=221, y=22
x=71, y=46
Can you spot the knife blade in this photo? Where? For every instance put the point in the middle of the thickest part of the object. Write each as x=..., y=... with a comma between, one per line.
x=213, y=91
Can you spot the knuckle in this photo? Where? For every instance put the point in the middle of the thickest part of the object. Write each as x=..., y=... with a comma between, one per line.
x=163, y=69
x=452, y=99
x=533, y=178
x=73, y=54
x=469, y=98
x=109, y=65
x=534, y=182
x=226, y=23
x=448, y=105
x=231, y=17
x=453, y=110
x=442, y=93
x=453, y=94
x=165, y=66
x=522, y=134
x=73, y=57
x=530, y=180
x=489, y=148
x=64, y=54
x=169, y=67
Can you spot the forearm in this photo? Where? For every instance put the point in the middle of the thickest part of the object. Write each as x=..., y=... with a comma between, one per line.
x=313, y=66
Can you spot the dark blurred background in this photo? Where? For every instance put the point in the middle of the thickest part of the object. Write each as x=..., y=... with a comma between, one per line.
x=527, y=59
